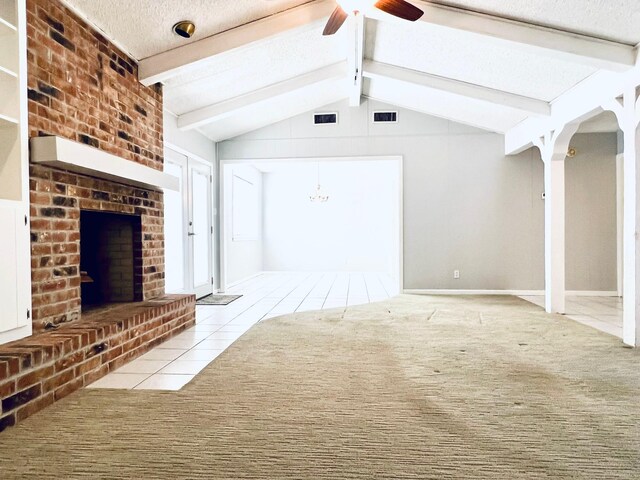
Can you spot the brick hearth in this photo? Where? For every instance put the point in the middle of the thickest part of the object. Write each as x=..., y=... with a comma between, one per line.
x=44, y=368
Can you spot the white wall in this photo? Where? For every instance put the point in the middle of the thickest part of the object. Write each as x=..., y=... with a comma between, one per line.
x=356, y=230
x=243, y=256
x=466, y=205
x=591, y=213
x=190, y=140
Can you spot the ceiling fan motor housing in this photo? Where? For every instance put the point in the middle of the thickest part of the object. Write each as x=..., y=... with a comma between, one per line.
x=398, y=8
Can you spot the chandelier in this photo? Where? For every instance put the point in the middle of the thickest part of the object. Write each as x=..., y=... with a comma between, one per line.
x=318, y=196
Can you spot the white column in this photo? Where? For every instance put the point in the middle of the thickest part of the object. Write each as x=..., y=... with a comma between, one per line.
x=628, y=113
x=554, y=235
x=631, y=295
x=553, y=149
x=620, y=222
x=631, y=284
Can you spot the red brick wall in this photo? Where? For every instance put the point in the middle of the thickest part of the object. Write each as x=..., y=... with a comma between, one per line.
x=83, y=88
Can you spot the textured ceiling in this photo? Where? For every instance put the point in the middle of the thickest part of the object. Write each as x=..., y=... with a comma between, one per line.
x=274, y=110
x=470, y=58
x=143, y=27
x=617, y=20
x=248, y=69
x=459, y=109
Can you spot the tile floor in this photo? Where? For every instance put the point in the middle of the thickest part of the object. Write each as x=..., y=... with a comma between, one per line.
x=175, y=363
x=601, y=313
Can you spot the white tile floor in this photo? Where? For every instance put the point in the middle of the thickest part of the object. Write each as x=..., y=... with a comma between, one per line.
x=175, y=363
x=602, y=313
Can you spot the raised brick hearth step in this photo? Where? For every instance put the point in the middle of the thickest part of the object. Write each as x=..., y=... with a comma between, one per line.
x=39, y=370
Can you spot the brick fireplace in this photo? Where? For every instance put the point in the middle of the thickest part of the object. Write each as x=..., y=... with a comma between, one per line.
x=110, y=259
x=82, y=88
x=59, y=199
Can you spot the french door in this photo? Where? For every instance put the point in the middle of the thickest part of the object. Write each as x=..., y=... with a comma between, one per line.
x=189, y=226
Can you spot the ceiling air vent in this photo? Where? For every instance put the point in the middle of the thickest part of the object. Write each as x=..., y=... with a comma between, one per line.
x=328, y=118
x=385, y=117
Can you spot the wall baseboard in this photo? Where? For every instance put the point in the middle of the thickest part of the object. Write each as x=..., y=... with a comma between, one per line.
x=592, y=293
x=519, y=293
x=413, y=291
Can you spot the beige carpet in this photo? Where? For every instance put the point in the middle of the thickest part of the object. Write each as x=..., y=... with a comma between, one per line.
x=416, y=387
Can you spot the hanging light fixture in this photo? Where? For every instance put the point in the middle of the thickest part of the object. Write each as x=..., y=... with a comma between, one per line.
x=318, y=196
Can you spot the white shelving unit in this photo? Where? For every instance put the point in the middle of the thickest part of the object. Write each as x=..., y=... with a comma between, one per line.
x=15, y=264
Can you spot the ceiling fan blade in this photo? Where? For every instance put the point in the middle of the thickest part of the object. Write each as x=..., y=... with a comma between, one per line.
x=400, y=9
x=336, y=20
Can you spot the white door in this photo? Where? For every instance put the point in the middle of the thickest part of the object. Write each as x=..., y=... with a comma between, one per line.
x=176, y=214
x=188, y=227
x=200, y=231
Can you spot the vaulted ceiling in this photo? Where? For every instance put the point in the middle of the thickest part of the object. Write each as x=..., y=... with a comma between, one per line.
x=486, y=63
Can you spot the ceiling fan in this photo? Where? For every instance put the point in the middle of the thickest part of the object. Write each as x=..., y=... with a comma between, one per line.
x=397, y=8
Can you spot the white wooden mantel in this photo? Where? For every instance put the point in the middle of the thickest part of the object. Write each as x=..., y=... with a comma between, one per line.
x=79, y=158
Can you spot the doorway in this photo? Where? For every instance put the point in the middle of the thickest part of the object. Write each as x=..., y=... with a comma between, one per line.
x=291, y=227
x=188, y=226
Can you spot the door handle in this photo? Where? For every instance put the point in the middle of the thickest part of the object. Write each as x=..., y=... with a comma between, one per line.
x=191, y=234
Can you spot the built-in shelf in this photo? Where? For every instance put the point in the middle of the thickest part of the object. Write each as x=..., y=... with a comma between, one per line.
x=4, y=71
x=8, y=12
x=7, y=28
x=80, y=158
x=9, y=56
x=10, y=108
x=7, y=121
x=15, y=281
x=9, y=94
x=13, y=130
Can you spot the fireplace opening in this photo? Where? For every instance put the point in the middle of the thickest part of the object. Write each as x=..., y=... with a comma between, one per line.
x=110, y=258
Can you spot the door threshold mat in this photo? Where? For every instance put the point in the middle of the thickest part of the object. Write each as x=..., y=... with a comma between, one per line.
x=214, y=299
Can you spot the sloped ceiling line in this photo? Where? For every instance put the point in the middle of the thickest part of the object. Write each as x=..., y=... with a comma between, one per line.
x=570, y=47
x=222, y=110
x=531, y=106
x=162, y=66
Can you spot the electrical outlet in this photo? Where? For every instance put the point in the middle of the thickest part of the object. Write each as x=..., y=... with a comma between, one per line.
x=456, y=274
